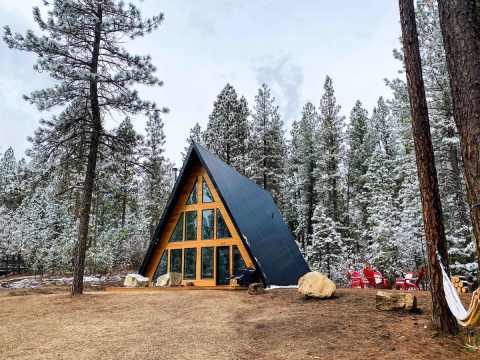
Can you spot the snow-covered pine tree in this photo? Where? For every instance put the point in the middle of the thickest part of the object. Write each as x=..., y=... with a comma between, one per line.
x=445, y=138
x=82, y=49
x=227, y=129
x=409, y=236
x=384, y=128
x=157, y=175
x=194, y=136
x=360, y=147
x=300, y=182
x=330, y=155
x=122, y=170
x=383, y=213
x=325, y=254
x=10, y=199
x=266, y=143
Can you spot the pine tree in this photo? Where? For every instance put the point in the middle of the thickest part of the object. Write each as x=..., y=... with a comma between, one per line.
x=382, y=212
x=82, y=50
x=300, y=181
x=267, y=143
x=360, y=148
x=227, y=129
x=325, y=252
x=330, y=154
x=194, y=136
x=445, y=138
x=157, y=177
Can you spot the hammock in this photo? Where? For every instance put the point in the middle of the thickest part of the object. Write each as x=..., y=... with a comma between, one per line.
x=466, y=318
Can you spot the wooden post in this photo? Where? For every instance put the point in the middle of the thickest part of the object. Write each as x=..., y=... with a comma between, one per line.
x=427, y=175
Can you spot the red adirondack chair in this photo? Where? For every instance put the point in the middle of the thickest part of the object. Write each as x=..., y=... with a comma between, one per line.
x=369, y=275
x=355, y=278
x=380, y=280
x=410, y=281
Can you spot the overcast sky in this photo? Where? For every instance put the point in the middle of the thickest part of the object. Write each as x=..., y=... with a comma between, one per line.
x=202, y=45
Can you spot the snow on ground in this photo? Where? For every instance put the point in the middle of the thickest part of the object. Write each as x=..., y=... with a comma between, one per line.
x=32, y=282
x=272, y=287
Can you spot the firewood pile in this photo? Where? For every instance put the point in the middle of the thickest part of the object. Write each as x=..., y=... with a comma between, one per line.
x=462, y=285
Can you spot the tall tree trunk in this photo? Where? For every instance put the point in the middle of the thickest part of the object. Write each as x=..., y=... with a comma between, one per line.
x=460, y=23
x=89, y=181
x=427, y=175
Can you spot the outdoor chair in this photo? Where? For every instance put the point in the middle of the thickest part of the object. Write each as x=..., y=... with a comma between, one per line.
x=409, y=281
x=355, y=278
x=369, y=275
x=380, y=280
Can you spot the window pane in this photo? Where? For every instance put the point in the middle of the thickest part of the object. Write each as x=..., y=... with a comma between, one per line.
x=207, y=224
x=238, y=263
x=192, y=198
x=207, y=263
x=190, y=263
x=191, y=225
x=162, y=266
x=206, y=194
x=223, y=265
x=176, y=260
x=222, y=229
x=177, y=234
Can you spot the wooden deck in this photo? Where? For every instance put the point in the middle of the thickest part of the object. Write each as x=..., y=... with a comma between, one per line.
x=173, y=288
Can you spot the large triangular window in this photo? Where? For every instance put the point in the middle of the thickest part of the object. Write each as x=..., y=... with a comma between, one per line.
x=206, y=194
x=177, y=234
x=222, y=229
x=192, y=198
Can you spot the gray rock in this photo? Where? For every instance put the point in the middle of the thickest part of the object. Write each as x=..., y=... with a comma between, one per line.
x=135, y=280
x=256, y=289
x=169, y=279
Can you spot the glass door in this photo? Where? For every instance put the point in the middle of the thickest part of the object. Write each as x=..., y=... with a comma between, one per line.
x=223, y=265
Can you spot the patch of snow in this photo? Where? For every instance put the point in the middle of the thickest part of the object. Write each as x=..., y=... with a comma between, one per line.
x=24, y=284
x=272, y=287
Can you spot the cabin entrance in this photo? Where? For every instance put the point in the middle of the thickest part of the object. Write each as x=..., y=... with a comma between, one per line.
x=223, y=265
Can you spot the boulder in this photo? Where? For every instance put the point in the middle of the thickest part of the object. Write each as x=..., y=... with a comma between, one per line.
x=169, y=279
x=135, y=280
x=316, y=285
x=256, y=289
x=394, y=301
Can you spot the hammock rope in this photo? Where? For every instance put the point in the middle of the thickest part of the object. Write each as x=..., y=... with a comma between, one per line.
x=466, y=318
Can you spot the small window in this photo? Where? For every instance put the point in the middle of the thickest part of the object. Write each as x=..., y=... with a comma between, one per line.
x=190, y=264
x=177, y=234
x=162, y=266
x=222, y=229
x=207, y=263
x=176, y=260
x=192, y=198
x=191, y=225
x=207, y=224
x=238, y=263
x=206, y=194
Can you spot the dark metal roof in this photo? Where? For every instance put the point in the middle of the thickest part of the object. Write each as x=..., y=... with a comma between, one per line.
x=255, y=216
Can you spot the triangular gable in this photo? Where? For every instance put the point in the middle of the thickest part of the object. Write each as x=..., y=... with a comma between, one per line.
x=197, y=226
x=255, y=216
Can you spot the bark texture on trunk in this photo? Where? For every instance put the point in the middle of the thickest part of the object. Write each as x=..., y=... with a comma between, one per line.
x=427, y=175
x=460, y=23
x=89, y=181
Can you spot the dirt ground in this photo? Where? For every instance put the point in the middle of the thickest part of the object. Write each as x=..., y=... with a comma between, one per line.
x=213, y=324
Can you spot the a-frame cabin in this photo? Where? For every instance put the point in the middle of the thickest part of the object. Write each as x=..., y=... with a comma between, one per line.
x=217, y=222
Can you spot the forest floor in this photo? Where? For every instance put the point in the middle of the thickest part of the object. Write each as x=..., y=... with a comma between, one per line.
x=47, y=323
